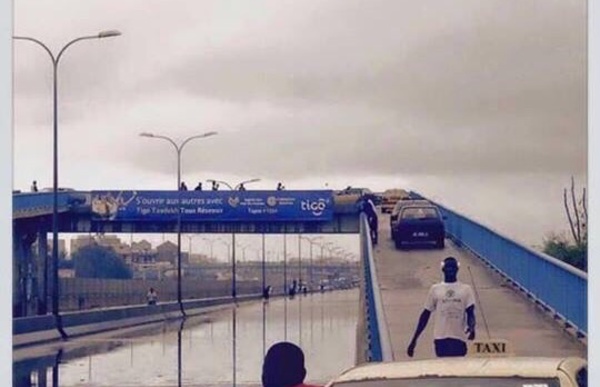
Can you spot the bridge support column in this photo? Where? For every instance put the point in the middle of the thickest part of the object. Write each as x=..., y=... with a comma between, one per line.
x=17, y=262
x=24, y=291
x=42, y=272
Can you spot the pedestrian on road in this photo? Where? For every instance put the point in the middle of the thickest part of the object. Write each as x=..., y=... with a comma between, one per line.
x=267, y=292
x=215, y=186
x=280, y=186
x=34, y=187
x=152, y=296
x=284, y=366
x=198, y=187
x=183, y=187
x=368, y=207
x=454, y=305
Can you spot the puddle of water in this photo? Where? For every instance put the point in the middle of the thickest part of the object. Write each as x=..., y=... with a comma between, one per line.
x=224, y=347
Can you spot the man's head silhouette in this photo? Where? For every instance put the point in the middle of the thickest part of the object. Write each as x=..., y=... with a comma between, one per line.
x=450, y=267
x=283, y=366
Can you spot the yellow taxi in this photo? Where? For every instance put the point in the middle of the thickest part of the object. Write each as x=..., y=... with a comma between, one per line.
x=469, y=372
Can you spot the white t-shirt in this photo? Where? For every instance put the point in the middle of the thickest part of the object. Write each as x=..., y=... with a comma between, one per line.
x=448, y=302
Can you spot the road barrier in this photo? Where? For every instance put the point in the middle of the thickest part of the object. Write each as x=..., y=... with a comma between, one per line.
x=373, y=341
x=556, y=286
x=41, y=329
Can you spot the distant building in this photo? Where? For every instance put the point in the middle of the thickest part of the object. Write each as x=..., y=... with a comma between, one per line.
x=62, y=249
x=111, y=241
x=142, y=253
x=66, y=273
x=81, y=241
x=200, y=258
x=167, y=252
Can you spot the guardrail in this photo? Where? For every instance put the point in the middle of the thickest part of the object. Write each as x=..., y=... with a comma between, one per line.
x=554, y=285
x=26, y=204
x=42, y=329
x=373, y=341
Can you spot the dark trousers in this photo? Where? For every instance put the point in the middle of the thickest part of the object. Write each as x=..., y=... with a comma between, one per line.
x=450, y=347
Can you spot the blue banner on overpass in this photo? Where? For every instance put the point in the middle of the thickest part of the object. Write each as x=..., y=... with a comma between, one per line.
x=213, y=205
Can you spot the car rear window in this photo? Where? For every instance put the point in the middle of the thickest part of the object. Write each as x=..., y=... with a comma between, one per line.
x=512, y=381
x=404, y=203
x=420, y=213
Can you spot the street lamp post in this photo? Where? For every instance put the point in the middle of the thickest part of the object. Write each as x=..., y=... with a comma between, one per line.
x=284, y=265
x=311, y=241
x=211, y=242
x=55, y=62
x=178, y=149
x=263, y=264
x=299, y=261
x=235, y=187
x=240, y=184
x=220, y=182
x=327, y=246
x=231, y=253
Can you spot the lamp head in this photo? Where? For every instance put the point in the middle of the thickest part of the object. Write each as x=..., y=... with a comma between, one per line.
x=208, y=134
x=108, y=34
x=146, y=134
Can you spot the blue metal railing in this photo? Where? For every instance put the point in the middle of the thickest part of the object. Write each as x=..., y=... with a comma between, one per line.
x=38, y=201
x=377, y=338
x=555, y=285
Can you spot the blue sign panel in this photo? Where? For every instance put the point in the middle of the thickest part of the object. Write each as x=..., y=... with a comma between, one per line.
x=213, y=205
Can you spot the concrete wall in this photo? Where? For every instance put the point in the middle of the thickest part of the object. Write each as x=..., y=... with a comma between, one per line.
x=91, y=293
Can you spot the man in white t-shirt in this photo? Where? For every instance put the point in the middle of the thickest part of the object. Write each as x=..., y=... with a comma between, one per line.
x=454, y=305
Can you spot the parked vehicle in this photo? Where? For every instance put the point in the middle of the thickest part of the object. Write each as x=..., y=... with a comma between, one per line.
x=469, y=372
x=400, y=205
x=418, y=225
x=390, y=197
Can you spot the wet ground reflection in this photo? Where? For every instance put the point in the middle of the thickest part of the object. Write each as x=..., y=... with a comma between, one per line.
x=224, y=347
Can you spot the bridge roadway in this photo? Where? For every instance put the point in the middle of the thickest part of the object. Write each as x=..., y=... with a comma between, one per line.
x=406, y=275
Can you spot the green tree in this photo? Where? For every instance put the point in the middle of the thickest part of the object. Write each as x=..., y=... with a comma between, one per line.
x=559, y=247
x=96, y=261
x=572, y=252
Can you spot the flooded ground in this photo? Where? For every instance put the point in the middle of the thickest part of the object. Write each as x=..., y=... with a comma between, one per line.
x=223, y=347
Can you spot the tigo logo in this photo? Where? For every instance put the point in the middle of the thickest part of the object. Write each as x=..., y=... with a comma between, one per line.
x=316, y=207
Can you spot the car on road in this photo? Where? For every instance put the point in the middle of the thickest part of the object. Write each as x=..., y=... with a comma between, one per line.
x=390, y=197
x=419, y=224
x=404, y=203
x=469, y=372
x=346, y=200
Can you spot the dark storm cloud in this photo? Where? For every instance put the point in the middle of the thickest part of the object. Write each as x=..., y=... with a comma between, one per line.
x=402, y=88
x=339, y=87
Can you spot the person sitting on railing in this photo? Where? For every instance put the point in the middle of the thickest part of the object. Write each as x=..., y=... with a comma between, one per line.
x=284, y=366
x=451, y=300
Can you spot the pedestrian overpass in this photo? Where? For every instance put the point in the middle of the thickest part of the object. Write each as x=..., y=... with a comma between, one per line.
x=533, y=300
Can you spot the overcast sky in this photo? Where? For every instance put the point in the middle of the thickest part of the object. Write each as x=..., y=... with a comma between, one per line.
x=480, y=105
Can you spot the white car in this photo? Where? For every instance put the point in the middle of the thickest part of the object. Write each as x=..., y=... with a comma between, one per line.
x=469, y=372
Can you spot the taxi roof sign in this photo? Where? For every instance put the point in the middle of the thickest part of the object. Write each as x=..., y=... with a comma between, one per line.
x=490, y=348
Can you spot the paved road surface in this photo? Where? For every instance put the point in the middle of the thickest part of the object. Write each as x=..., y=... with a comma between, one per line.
x=405, y=278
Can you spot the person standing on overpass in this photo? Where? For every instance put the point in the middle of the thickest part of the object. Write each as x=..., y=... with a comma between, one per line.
x=451, y=301
x=368, y=207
